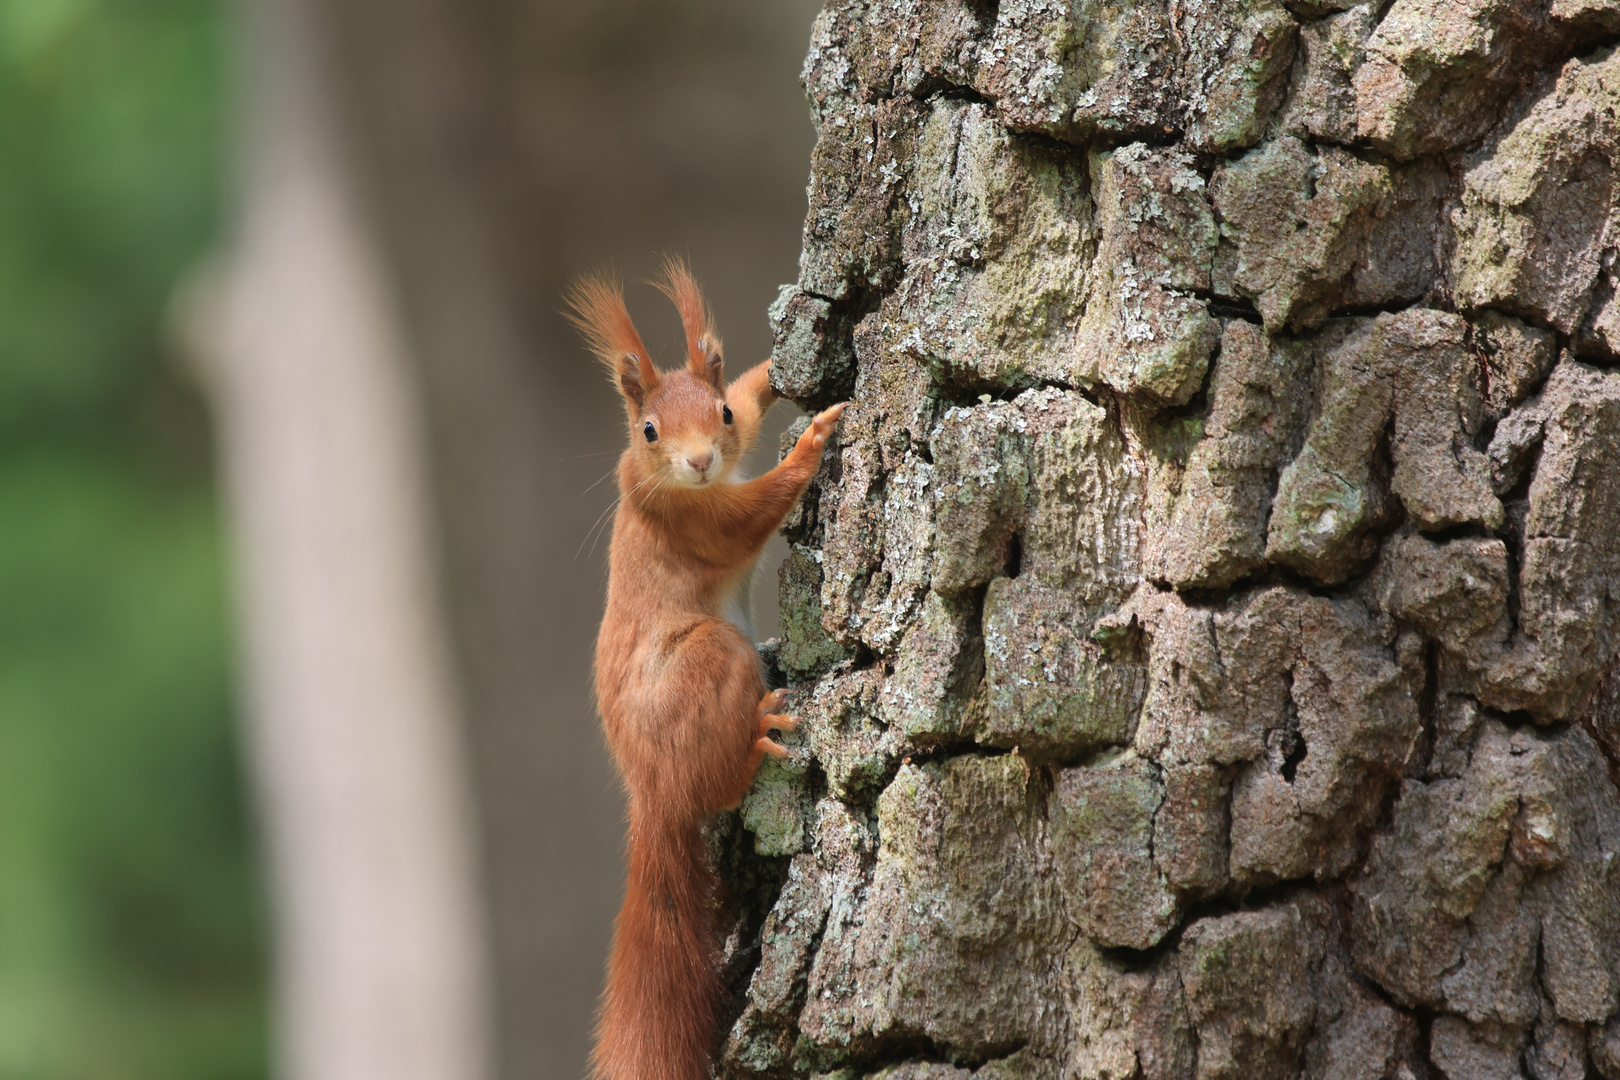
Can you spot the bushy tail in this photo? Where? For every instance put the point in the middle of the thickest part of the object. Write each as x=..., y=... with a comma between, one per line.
x=663, y=990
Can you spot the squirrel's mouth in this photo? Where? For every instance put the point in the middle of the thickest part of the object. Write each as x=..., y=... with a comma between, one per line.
x=689, y=478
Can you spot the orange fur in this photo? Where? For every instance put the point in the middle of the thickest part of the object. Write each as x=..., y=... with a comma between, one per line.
x=682, y=698
x=703, y=352
x=600, y=315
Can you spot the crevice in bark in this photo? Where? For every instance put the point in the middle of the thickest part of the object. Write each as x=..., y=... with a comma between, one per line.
x=1524, y=720
x=1428, y=709
x=1159, y=138
x=1601, y=358
x=768, y=651
x=1089, y=757
x=1134, y=960
x=1466, y=531
x=1223, y=307
x=1291, y=744
x=1075, y=153
x=1372, y=311
x=1541, y=74
x=1525, y=313
x=1424, y=1017
x=750, y=886
x=1015, y=557
x=1601, y=718
x=934, y=755
x=941, y=88
x=1388, y=799
x=891, y=1050
x=968, y=393
x=1272, y=575
x=1516, y=508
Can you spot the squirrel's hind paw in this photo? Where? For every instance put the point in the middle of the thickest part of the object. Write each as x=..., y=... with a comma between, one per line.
x=767, y=719
x=777, y=722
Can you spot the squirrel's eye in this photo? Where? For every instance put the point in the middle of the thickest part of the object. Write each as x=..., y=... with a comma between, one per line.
x=725, y=413
x=651, y=432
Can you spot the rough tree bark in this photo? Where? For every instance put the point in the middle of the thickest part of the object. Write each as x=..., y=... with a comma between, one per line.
x=1203, y=625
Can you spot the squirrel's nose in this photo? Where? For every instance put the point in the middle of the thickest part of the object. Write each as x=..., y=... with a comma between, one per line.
x=701, y=464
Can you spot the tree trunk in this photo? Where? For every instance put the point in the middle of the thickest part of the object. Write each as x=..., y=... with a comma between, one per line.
x=1202, y=626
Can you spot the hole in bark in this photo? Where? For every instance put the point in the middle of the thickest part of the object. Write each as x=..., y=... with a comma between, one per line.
x=1285, y=746
x=1296, y=754
x=1466, y=531
x=1521, y=718
x=1015, y=556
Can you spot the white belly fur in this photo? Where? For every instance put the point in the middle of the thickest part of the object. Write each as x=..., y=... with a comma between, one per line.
x=736, y=603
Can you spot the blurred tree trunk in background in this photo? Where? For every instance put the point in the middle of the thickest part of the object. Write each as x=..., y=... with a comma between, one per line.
x=1202, y=627
x=401, y=388
x=352, y=722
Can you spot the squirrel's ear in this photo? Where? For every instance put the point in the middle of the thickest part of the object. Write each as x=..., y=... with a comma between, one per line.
x=703, y=354
x=637, y=378
x=600, y=315
x=714, y=363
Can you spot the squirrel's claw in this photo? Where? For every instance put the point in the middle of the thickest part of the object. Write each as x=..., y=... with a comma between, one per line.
x=768, y=746
x=769, y=720
x=777, y=722
x=823, y=424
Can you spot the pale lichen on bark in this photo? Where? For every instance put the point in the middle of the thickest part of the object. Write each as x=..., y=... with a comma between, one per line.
x=1206, y=623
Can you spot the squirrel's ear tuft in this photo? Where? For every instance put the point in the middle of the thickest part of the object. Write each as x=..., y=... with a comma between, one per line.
x=704, y=357
x=600, y=316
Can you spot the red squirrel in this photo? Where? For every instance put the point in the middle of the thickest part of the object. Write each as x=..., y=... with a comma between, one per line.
x=680, y=688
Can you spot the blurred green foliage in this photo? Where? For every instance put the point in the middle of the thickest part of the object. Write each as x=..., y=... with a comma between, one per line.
x=131, y=919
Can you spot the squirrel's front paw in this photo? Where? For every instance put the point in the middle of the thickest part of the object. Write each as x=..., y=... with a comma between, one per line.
x=823, y=425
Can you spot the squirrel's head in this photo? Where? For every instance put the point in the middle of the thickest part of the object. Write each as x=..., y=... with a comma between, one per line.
x=682, y=431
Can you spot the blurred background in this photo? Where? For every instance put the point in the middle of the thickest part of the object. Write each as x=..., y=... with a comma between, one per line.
x=299, y=772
